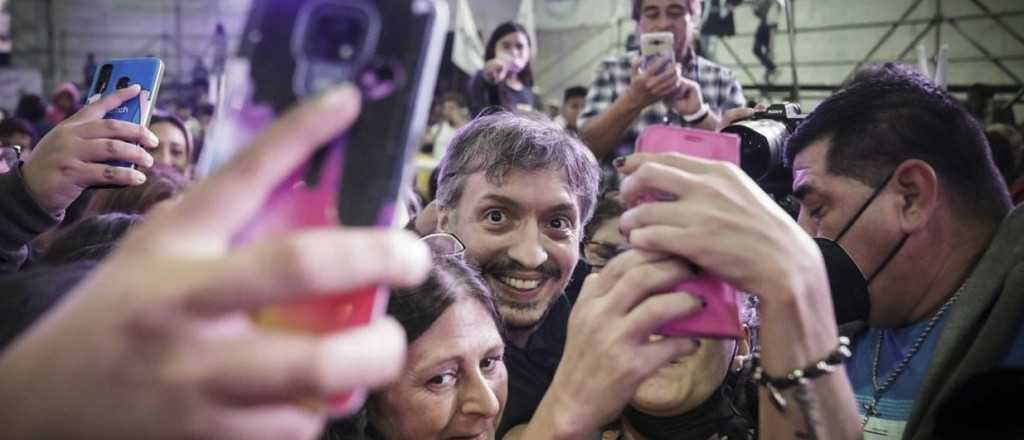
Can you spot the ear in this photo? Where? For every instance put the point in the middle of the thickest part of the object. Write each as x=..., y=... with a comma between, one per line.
x=445, y=218
x=918, y=189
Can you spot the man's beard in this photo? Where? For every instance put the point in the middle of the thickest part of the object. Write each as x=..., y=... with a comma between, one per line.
x=502, y=266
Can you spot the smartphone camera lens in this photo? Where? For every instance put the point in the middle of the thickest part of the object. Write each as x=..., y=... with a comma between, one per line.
x=337, y=34
x=104, y=78
x=123, y=82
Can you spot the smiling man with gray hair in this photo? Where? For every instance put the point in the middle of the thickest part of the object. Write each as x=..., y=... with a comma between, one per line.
x=517, y=190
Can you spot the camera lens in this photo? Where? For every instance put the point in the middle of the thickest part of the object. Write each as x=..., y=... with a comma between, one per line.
x=123, y=82
x=337, y=35
x=761, y=145
x=104, y=78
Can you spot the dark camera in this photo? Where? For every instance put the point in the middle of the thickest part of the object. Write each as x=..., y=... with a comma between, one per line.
x=335, y=40
x=123, y=82
x=101, y=82
x=336, y=34
x=762, y=145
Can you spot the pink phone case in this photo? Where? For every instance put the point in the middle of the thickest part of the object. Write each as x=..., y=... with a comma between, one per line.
x=293, y=206
x=720, y=319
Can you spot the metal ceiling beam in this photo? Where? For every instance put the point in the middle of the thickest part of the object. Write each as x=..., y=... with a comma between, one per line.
x=882, y=24
x=995, y=60
x=885, y=37
x=918, y=38
x=988, y=12
x=1015, y=99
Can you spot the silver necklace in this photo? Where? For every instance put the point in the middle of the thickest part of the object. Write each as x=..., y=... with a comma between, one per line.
x=871, y=410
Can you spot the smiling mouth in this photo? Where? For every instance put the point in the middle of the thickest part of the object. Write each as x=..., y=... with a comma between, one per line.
x=520, y=284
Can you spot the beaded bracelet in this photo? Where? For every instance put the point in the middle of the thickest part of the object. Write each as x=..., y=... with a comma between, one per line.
x=775, y=386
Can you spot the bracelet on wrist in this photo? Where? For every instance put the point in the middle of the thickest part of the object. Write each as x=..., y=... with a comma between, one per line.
x=800, y=376
x=699, y=116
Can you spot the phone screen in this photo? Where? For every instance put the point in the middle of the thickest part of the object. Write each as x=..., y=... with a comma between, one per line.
x=291, y=49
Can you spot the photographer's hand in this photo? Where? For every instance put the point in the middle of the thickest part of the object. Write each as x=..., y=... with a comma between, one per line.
x=157, y=343
x=650, y=84
x=604, y=131
x=723, y=222
x=608, y=352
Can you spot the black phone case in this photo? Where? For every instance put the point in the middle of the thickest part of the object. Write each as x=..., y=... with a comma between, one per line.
x=407, y=39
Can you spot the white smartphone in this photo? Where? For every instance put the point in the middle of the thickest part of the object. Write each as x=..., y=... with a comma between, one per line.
x=654, y=45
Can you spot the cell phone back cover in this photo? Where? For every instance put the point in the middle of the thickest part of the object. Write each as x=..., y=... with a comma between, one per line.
x=720, y=318
x=355, y=179
x=146, y=72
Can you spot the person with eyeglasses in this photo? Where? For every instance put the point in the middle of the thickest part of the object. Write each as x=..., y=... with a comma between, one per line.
x=18, y=132
x=9, y=155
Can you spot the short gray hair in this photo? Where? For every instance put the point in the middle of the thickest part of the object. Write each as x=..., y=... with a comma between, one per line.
x=502, y=142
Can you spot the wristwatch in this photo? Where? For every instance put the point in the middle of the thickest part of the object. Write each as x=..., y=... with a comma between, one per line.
x=699, y=116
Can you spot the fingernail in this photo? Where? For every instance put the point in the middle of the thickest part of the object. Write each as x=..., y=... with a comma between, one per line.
x=139, y=178
x=152, y=138
x=703, y=303
x=148, y=160
x=618, y=162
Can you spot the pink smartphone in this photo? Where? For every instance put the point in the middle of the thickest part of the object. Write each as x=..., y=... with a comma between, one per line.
x=720, y=319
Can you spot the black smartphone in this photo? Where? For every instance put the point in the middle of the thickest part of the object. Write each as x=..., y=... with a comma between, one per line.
x=292, y=49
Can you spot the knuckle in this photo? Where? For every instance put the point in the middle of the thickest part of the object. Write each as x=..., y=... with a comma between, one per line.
x=66, y=169
x=111, y=147
x=297, y=265
x=645, y=173
x=110, y=125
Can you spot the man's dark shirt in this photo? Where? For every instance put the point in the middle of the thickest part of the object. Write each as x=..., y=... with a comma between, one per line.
x=531, y=370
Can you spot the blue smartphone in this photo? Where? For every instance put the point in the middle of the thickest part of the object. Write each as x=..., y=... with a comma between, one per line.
x=122, y=73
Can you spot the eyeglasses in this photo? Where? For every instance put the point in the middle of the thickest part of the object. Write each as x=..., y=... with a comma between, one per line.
x=597, y=254
x=443, y=244
x=10, y=153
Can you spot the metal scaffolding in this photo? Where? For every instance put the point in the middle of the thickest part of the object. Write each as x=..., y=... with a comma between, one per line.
x=934, y=24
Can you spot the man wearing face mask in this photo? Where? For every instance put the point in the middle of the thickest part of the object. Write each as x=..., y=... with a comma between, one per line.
x=897, y=186
x=900, y=195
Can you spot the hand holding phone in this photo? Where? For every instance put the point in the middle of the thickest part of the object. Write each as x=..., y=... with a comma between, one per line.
x=720, y=317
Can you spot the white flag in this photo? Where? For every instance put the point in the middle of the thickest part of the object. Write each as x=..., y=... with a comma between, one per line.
x=942, y=66
x=467, y=49
x=525, y=18
x=922, y=60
